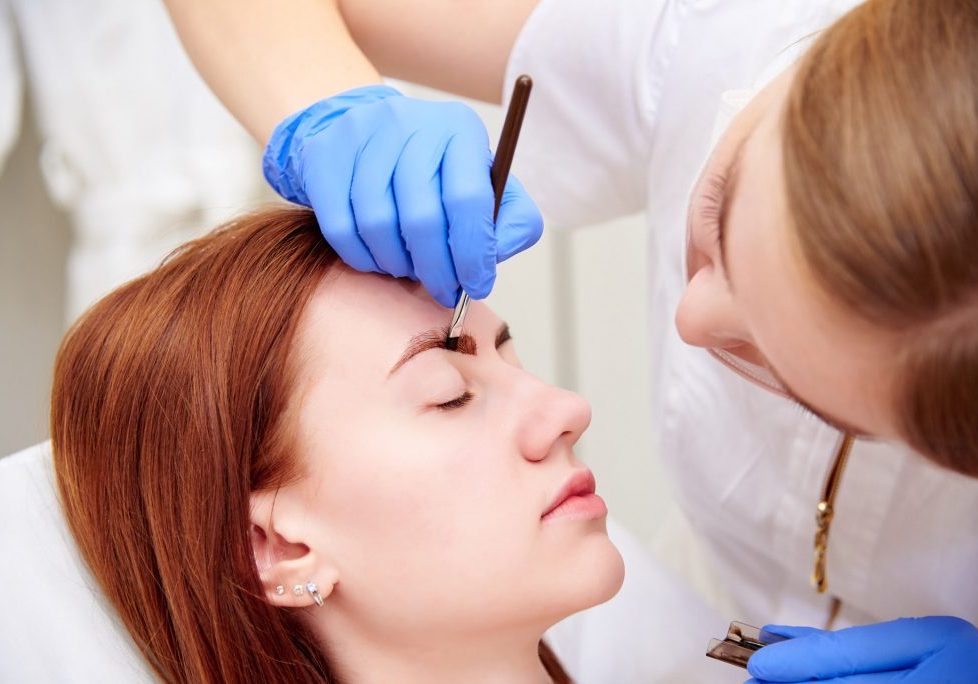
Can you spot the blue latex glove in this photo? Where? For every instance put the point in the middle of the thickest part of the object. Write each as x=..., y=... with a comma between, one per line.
x=401, y=186
x=909, y=651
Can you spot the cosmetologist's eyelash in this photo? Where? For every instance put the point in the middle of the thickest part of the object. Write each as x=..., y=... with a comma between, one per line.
x=712, y=203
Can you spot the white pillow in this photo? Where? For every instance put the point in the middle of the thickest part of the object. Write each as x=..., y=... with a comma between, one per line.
x=55, y=625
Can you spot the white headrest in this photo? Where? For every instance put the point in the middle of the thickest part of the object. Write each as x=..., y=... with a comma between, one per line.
x=54, y=623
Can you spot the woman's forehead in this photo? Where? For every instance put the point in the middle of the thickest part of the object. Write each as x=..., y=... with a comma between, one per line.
x=371, y=318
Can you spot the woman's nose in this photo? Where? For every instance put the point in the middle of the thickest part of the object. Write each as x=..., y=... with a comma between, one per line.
x=548, y=417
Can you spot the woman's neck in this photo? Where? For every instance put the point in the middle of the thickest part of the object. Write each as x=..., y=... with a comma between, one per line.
x=506, y=658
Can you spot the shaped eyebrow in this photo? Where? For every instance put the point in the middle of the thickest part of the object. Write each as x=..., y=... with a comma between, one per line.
x=503, y=335
x=435, y=339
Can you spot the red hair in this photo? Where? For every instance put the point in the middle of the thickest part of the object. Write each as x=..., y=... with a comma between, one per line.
x=169, y=409
x=165, y=407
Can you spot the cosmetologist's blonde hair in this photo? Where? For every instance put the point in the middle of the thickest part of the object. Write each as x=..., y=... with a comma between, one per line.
x=881, y=163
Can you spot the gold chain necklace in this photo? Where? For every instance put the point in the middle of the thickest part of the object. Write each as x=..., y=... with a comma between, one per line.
x=826, y=511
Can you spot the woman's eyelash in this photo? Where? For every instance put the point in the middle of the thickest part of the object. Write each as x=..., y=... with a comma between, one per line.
x=456, y=403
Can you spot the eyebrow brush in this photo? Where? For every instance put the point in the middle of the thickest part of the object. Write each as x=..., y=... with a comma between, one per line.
x=498, y=174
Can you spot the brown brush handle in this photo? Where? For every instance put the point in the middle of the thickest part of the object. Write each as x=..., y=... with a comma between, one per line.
x=498, y=174
x=508, y=137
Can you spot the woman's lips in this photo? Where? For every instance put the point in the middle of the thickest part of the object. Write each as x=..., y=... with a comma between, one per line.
x=576, y=499
x=579, y=507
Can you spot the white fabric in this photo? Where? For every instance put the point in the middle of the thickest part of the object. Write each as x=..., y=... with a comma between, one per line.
x=134, y=146
x=629, y=91
x=55, y=626
x=11, y=84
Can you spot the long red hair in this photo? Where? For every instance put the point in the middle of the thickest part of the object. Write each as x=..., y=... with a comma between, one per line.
x=169, y=408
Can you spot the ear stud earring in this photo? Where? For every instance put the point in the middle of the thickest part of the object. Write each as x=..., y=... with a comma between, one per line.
x=314, y=592
x=297, y=590
x=280, y=590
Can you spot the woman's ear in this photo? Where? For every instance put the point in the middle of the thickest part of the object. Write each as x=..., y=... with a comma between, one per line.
x=286, y=564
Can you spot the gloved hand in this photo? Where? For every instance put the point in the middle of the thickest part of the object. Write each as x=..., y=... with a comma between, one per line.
x=910, y=651
x=401, y=186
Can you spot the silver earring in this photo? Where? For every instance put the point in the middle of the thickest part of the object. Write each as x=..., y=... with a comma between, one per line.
x=297, y=590
x=314, y=592
x=280, y=590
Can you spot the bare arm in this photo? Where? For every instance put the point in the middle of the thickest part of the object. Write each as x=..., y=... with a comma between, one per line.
x=461, y=46
x=267, y=58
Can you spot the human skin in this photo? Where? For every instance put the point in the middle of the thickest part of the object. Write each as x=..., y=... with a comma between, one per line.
x=421, y=524
x=761, y=304
x=329, y=46
x=774, y=315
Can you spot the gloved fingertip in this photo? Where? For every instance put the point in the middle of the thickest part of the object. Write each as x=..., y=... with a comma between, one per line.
x=446, y=299
x=372, y=267
x=477, y=276
x=509, y=249
x=516, y=232
x=483, y=289
x=754, y=666
x=363, y=264
x=790, y=631
x=767, y=664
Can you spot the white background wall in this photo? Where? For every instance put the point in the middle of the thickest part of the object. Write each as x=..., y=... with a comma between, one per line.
x=572, y=302
x=34, y=240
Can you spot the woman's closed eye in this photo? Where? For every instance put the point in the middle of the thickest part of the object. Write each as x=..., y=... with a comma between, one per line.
x=456, y=403
x=502, y=337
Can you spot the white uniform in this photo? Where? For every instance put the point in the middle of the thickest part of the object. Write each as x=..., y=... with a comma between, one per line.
x=626, y=101
x=135, y=148
x=628, y=98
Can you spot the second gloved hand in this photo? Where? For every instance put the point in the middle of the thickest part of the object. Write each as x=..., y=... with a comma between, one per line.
x=401, y=186
x=926, y=650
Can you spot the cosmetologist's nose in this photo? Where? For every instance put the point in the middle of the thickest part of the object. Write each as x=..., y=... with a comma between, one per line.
x=707, y=315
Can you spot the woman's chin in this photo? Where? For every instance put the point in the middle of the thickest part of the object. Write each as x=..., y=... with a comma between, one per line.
x=588, y=577
x=608, y=575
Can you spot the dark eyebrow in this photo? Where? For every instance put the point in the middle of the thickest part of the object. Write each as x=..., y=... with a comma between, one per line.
x=733, y=175
x=836, y=423
x=503, y=335
x=435, y=339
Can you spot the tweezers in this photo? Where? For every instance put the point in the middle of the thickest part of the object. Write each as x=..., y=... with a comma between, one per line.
x=498, y=175
x=742, y=641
